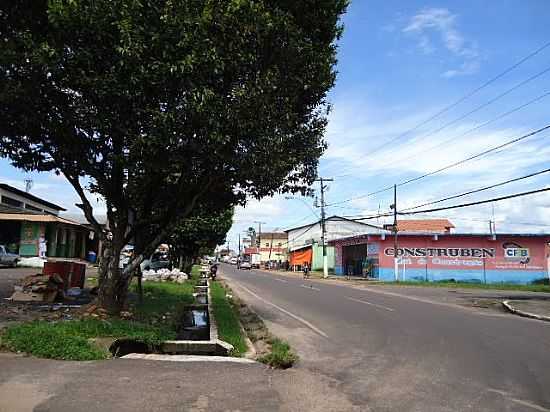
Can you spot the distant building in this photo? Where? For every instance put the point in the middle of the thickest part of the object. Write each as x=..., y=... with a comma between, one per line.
x=29, y=225
x=305, y=245
x=272, y=247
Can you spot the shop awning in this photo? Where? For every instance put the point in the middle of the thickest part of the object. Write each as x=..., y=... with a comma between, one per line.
x=40, y=218
x=301, y=256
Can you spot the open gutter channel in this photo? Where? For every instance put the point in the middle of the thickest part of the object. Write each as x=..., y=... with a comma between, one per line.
x=196, y=335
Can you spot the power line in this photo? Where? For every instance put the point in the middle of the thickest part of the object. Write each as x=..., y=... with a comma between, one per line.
x=508, y=143
x=480, y=202
x=460, y=162
x=492, y=120
x=425, y=211
x=480, y=189
x=463, y=98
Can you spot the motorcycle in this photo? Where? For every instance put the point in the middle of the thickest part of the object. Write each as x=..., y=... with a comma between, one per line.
x=213, y=271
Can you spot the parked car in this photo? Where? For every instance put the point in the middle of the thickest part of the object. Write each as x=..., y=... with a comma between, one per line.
x=8, y=259
x=246, y=265
x=233, y=261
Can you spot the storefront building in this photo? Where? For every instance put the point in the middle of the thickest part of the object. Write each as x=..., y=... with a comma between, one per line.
x=485, y=258
x=31, y=227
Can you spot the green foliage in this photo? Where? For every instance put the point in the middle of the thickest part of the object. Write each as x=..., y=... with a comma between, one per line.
x=281, y=355
x=229, y=328
x=161, y=298
x=69, y=339
x=201, y=232
x=163, y=105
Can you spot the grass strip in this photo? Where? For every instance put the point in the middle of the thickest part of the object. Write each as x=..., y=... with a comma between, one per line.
x=154, y=321
x=281, y=356
x=227, y=318
x=163, y=298
x=68, y=340
x=470, y=285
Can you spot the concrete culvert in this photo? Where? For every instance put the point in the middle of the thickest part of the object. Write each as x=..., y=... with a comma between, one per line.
x=122, y=347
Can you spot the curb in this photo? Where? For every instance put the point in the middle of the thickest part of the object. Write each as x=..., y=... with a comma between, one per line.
x=186, y=358
x=519, y=312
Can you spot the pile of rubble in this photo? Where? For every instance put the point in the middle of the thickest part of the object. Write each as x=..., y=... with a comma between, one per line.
x=165, y=275
x=38, y=288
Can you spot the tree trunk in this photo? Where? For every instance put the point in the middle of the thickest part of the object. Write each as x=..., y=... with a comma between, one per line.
x=113, y=286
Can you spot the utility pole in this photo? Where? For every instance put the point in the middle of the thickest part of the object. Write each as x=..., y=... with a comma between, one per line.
x=395, y=257
x=239, y=245
x=323, y=225
x=259, y=238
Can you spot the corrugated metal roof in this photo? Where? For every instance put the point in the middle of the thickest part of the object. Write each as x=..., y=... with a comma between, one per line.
x=338, y=218
x=424, y=225
x=42, y=218
x=29, y=196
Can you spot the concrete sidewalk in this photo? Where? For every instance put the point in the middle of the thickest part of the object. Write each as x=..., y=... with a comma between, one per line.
x=31, y=384
x=535, y=308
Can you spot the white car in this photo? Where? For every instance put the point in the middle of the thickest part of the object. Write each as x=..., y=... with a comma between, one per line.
x=233, y=261
x=246, y=265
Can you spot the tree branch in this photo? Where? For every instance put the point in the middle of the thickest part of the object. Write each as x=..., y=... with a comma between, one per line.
x=86, y=206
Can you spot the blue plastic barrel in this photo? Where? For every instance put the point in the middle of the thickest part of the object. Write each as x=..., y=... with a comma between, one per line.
x=92, y=256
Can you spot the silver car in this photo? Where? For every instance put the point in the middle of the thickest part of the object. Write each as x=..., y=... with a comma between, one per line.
x=245, y=265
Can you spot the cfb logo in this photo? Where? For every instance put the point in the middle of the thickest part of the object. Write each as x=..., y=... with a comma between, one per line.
x=516, y=253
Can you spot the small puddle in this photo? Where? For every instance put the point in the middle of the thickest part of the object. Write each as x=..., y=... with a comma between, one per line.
x=194, y=325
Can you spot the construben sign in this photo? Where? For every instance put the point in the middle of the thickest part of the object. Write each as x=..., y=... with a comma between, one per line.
x=439, y=252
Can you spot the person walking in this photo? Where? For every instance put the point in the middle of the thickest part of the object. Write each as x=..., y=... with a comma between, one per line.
x=305, y=269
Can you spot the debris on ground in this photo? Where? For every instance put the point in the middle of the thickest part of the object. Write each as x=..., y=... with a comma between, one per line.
x=38, y=288
x=165, y=275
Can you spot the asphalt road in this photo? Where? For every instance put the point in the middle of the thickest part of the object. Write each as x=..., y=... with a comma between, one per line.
x=380, y=350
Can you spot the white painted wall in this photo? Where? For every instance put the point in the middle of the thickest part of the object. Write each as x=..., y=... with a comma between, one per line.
x=336, y=229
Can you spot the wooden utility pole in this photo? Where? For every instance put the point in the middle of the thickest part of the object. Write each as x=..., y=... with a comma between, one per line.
x=323, y=225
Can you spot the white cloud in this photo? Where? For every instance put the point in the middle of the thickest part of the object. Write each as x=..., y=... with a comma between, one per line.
x=354, y=134
x=444, y=24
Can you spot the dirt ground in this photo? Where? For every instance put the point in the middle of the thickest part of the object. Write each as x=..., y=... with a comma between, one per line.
x=13, y=312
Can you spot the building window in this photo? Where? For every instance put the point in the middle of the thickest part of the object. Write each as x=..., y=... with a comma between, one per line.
x=279, y=244
x=11, y=202
x=267, y=245
x=30, y=207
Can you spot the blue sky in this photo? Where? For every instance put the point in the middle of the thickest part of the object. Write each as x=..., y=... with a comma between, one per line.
x=399, y=63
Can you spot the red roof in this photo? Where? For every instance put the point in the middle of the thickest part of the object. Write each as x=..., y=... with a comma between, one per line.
x=424, y=225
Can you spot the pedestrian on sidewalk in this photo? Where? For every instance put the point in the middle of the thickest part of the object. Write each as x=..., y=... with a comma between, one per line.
x=305, y=269
x=349, y=273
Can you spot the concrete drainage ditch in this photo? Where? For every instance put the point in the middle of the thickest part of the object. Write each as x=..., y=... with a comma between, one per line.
x=197, y=333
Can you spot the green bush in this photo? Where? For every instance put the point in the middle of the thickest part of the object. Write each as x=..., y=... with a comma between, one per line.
x=281, y=356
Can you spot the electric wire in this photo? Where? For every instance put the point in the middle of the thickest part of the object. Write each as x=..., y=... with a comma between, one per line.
x=464, y=97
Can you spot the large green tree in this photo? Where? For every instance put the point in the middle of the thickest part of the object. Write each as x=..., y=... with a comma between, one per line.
x=199, y=234
x=154, y=104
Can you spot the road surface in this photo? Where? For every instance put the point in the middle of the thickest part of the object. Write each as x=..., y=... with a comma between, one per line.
x=372, y=349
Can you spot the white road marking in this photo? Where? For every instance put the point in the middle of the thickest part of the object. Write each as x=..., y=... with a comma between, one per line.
x=371, y=304
x=519, y=401
x=310, y=287
x=280, y=280
x=286, y=312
